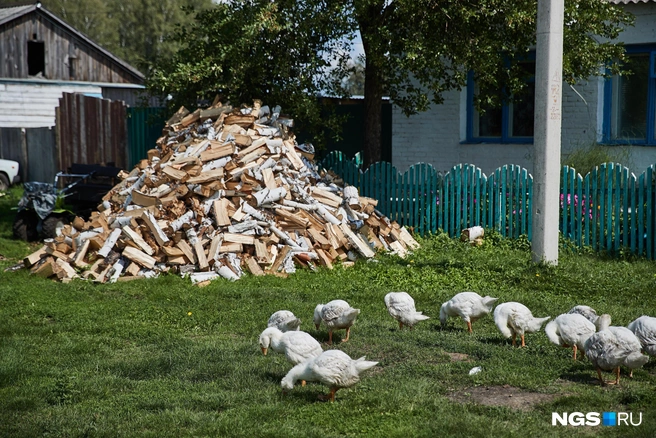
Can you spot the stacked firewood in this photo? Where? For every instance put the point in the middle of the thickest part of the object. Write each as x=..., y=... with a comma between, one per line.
x=226, y=190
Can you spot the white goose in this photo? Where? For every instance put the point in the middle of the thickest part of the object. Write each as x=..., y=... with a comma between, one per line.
x=336, y=315
x=514, y=319
x=470, y=306
x=612, y=347
x=285, y=320
x=333, y=368
x=401, y=307
x=297, y=346
x=572, y=330
x=645, y=330
x=588, y=312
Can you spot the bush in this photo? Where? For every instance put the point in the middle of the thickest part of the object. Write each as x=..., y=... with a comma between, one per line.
x=585, y=159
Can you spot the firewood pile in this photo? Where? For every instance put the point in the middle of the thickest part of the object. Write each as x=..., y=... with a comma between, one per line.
x=226, y=190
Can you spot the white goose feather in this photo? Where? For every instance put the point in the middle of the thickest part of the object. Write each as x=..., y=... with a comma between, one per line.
x=333, y=368
x=401, y=306
x=285, y=321
x=514, y=319
x=297, y=346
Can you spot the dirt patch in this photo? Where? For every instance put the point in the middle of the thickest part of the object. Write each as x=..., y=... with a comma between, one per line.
x=505, y=395
x=458, y=357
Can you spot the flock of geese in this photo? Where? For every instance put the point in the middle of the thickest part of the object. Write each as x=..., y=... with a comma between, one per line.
x=607, y=347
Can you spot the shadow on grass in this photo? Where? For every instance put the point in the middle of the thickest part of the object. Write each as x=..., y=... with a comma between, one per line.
x=322, y=336
x=496, y=340
x=273, y=377
x=308, y=396
x=581, y=376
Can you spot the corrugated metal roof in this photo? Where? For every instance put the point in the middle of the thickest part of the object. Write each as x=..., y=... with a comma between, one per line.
x=8, y=14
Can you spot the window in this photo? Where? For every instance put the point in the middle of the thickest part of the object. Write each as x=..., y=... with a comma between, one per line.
x=629, y=100
x=36, y=58
x=510, y=123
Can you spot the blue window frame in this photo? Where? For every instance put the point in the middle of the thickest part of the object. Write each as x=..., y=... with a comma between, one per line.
x=510, y=123
x=630, y=100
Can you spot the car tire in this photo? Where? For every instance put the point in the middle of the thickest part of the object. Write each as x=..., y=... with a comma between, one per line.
x=25, y=226
x=4, y=182
x=53, y=223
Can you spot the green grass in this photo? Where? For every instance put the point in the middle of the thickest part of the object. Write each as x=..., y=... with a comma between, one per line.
x=164, y=358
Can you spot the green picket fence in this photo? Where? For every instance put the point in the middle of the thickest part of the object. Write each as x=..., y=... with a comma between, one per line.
x=608, y=209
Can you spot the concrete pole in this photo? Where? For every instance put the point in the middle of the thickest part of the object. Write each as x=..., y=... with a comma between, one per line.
x=547, y=132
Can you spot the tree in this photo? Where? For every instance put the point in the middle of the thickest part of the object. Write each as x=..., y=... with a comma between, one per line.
x=415, y=50
x=418, y=49
x=281, y=52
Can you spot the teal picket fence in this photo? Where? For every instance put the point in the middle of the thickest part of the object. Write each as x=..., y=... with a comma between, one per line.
x=144, y=128
x=609, y=209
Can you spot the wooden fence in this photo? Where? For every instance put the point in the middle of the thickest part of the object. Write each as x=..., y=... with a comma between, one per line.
x=33, y=148
x=91, y=131
x=608, y=209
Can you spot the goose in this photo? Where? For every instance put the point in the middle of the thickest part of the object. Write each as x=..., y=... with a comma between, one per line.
x=571, y=330
x=588, y=312
x=514, y=319
x=336, y=315
x=612, y=347
x=645, y=330
x=470, y=306
x=285, y=321
x=333, y=368
x=401, y=307
x=297, y=346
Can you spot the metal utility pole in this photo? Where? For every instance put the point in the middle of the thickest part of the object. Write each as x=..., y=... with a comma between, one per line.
x=547, y=131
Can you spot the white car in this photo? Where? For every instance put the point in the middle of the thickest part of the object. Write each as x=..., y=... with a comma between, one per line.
x=8, y=173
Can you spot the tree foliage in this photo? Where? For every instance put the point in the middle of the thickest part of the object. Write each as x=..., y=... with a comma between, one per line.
x=422, y=48
x=282, y=52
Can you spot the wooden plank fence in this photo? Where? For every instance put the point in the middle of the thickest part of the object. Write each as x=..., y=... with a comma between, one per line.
x=610, y=209
x=91, y=131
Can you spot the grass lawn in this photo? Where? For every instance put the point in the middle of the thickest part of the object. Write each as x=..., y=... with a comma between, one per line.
x=164, y=358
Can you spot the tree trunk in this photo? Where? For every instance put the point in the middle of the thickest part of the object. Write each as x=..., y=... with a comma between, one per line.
x=373, y=96
x=370, y=21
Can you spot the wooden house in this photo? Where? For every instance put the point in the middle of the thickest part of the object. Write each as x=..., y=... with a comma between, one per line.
x=44, y=57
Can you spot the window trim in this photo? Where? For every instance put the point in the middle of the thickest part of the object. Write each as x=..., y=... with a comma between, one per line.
x=650, y=139
x=505, y=138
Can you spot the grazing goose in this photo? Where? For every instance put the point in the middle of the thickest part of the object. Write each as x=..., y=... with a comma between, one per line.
x=571, y=330
x=336, y=315
x=285, y=321
x=333, y=368
x=612, y=347
x=401, y=307
x=470, y=306
x=514, y=319
x=588, y=312
x=297, y=346
x=645, y=330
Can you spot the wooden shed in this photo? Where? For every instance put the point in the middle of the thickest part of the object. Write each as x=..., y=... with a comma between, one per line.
x=63, y=97
x=43, y=57
x=36, y=43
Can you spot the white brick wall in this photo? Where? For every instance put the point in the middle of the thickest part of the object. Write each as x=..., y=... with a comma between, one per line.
x=435, y=136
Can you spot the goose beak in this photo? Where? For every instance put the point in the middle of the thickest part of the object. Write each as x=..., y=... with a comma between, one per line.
x=264, y=351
